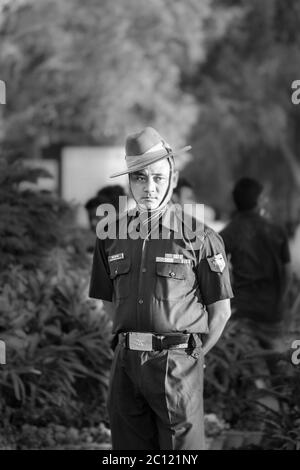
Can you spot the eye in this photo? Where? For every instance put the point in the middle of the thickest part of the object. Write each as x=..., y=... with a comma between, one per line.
x=138, y=178
x=159, y=179
x=141, y=178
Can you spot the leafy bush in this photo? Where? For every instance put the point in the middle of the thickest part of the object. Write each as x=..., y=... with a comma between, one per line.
x=55, y=436
x=231, y=372
x=53, y=335
x=57, y=339
x=233, y=368
x=282, y=426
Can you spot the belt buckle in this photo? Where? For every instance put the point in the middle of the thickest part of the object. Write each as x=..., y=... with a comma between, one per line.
x=140, y=341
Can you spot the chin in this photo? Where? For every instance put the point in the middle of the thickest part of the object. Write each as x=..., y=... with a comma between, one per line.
x=149, y=205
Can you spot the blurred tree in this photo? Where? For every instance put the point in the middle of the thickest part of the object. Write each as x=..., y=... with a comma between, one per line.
x=93, y=71
x=57, y=338
x=247, y=123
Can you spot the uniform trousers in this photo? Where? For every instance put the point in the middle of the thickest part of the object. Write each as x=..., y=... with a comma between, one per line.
x=155, y=399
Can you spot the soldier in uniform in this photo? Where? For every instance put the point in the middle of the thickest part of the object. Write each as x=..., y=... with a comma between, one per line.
x=260, y=258
x=168, y=292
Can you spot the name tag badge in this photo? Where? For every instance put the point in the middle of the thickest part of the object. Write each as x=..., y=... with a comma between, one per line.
x=115, y=257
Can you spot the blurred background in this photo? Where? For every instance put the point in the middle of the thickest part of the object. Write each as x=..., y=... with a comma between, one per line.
x=214, y=74
x=80, y=76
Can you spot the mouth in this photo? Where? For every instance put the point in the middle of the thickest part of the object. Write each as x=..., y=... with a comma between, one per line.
x=149, y=198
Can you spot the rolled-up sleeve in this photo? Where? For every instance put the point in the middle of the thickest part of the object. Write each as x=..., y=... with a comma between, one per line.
x=101, y=286
x=212, y=270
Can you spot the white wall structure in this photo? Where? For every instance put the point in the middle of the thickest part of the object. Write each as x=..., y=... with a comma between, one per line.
x=85, y=170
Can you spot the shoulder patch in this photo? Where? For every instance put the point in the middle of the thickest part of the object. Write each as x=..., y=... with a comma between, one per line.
x=217, y=263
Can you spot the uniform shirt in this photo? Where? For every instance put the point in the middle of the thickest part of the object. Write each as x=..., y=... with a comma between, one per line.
x=160, y=285
x=258, y=249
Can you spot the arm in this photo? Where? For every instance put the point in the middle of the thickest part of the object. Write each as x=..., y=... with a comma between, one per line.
x=214, y=283
x=218, y=315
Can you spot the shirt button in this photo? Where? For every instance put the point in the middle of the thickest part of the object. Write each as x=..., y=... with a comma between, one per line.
x=141, y=301
x=172, y=274
x=144, y=270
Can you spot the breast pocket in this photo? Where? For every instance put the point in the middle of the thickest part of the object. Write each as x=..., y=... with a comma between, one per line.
x=170, y=281
x=120, y=274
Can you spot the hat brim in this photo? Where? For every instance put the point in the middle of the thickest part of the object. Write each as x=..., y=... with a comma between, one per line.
x=156, y=158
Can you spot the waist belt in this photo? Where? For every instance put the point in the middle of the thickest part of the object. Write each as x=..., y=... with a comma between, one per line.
x=153, y=342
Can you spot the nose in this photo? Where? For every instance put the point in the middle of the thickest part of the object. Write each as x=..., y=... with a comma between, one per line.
x=149, y=185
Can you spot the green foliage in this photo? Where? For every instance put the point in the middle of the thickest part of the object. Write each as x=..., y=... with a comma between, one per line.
x=271, y=411
x=282, y=426
x=218, y=71
x=57, y=339
x=230, y=374
x=31, y=223
x=247, y=123
x=55, y=436
x=53, y=337
x=127, y=72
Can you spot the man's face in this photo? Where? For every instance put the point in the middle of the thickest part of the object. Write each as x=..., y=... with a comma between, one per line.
x=150, y=185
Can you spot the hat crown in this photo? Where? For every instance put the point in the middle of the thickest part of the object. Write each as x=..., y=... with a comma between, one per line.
x=141, y=142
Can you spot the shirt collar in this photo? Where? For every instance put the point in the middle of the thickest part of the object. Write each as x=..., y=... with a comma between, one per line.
x=171, y=218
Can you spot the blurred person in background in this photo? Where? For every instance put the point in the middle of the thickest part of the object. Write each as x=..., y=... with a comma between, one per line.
x=259, y=254
x=106, y=195
x=184, y=193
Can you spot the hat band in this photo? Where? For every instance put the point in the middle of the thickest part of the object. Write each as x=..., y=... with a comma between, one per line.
x=134, y=162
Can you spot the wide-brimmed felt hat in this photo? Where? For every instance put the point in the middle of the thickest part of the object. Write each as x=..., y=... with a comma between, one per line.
x=144, y=148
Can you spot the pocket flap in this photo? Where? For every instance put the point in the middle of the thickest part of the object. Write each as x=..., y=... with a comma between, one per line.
x=171, y=270
x=120, y=266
